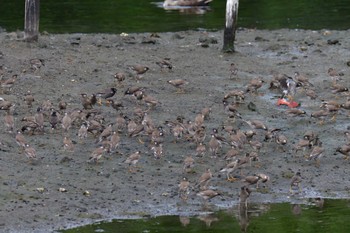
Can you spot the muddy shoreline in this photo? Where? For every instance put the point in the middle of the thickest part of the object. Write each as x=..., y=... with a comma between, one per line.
x=60, y=189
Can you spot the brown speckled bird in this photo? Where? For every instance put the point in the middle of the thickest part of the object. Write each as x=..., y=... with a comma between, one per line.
x=39, y=118
x=20, y=140
x=54, y=120
x=106, y=94
x=184, y=189
x=256, y=124
x=133, y=159
x=164, y=64
x=254, y=85
x=157, y=149
x=150, y=101
x=200, y=149
x=8, y=83
x=88, y=101
x=316, y=154
x=295, y=112
x=345, y=150
x=214, y=146
x=139, y=70
x=97, y=154
x=5, y=104
x=204, y=179
x=188, y=164
x=238, y=95
x=179, y=84
x=229, y=168
x=106, y=132
x=320, y=114
x=114, y=141
x=82, y=132
x=295, y=182
x=208, y=194
x=299, y=78
x=233, y=70
x=66, y=122
x=68, y=144
x=119, y=77
x=29, y=99
x=30, y=152
x=250, y=180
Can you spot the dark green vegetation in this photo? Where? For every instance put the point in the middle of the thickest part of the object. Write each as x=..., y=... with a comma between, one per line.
x=333, y=216
x=115, y=16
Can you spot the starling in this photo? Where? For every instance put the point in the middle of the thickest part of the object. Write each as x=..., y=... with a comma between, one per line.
x=204, y=179
x=345, y=150
x=295, y=182
x=188, y=164
x=184, y=189
x=20, y=140
x=230, y=167
x=29, y=99
x=179, y=84
x=119, y=77
x=139, y=69
x=214, y=146
x=66, y=122
x=53, y=120
x=133, y=159
x=316, y=154
x=105, y=94
x=207, y=194
x=164, y=64
x=68, y=144
x=30, y=152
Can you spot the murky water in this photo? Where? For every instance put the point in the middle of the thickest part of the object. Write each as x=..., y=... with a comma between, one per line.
x=317, y=215
x=115, y=16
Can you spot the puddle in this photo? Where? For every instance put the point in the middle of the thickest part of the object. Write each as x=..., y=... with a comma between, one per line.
x=316, y=215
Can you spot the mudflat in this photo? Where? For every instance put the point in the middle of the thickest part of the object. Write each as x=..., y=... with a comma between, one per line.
x=60, y=189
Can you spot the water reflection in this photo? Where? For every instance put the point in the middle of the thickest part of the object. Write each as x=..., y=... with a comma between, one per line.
x=317, y=215
x=116, y=16
x=197, y=10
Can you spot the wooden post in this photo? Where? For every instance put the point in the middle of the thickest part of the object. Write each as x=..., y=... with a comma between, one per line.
x=31, y=20
x=231, y=24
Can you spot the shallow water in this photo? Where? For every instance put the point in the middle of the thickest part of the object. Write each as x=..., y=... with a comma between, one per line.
x=116, y=16
x=314, y=216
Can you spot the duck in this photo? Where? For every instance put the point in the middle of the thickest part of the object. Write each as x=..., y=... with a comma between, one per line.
x=168, y=3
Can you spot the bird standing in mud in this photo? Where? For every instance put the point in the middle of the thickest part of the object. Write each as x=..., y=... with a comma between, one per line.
x=30, y=152
x=188, y=164
x=205, y=179
x=97, y=154
x=316, y=154
x=139, y=70
x=133, y=159
x=106, y=94
x=179, y=84
x=295, y=182
x=184, y=189
x=207, y=194
x=119, y=77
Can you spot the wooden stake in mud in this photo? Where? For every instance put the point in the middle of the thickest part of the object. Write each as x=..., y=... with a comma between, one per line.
x=31, y=20
x=231, y=24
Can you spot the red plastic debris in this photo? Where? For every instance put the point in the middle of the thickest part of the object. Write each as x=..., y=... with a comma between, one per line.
x=291, y=104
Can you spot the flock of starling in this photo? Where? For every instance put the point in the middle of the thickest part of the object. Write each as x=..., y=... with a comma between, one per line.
x=235, y=149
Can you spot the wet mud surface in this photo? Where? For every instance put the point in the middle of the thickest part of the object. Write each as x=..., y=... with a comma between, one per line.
x=60, y=189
